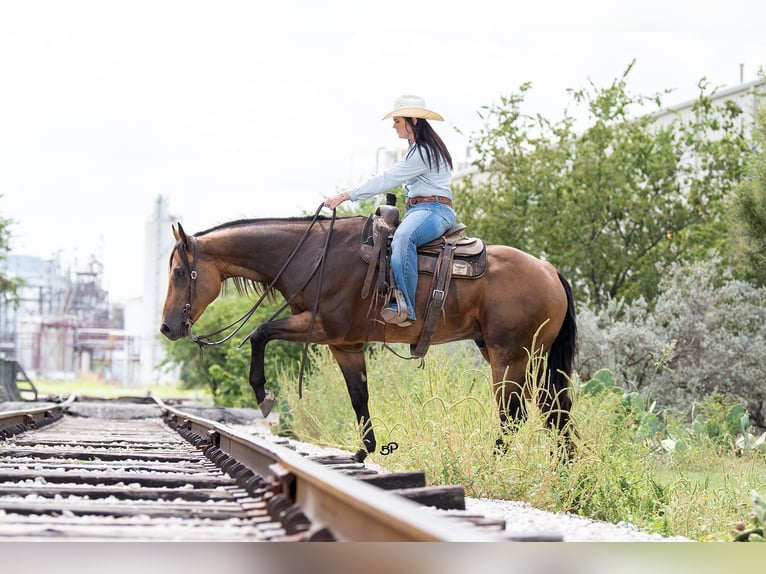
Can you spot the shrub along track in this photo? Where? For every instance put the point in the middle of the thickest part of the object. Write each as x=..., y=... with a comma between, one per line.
x=142, y=470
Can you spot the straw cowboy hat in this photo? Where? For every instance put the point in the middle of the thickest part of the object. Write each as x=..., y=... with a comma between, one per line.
x=412, y=107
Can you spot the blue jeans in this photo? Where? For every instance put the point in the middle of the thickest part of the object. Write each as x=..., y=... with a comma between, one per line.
x=422, y=223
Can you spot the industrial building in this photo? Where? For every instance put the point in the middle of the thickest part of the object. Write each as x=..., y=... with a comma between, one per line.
x=65, y=325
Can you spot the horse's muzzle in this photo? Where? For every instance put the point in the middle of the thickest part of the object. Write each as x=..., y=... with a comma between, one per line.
x=174, y=334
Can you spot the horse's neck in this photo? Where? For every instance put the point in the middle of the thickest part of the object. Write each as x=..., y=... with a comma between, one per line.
x=260, y=250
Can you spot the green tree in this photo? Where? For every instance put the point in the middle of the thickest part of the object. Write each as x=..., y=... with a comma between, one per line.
x=608, y=203
x=748, y=226
x=224, y=369
x=9, y=286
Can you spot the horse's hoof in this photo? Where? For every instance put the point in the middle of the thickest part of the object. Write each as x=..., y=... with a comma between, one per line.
x=266, y=404
x=501, y=447
x=360, y=455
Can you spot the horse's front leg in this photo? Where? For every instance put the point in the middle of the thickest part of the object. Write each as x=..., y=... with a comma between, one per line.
x=293, y=328
x=352, y=364
x=257, y=377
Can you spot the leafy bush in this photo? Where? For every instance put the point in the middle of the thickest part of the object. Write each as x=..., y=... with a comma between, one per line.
x=719, y=422
x=633, y=199
x=706, y=334
x=747, y=230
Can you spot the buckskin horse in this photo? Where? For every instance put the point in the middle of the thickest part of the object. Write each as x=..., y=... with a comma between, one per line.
x=519, y=302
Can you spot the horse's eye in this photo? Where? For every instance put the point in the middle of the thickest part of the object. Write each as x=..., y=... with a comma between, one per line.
x=179, y=273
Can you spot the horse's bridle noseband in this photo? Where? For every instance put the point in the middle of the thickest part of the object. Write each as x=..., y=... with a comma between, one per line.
x=192, y=273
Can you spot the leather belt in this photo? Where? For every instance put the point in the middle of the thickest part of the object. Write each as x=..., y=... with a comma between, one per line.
x=429, y=198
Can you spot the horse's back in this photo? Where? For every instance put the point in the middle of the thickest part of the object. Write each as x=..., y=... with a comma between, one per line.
x=522, y=289
x=520, y=264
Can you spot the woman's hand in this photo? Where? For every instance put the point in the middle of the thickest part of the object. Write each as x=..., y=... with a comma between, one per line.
x=335, y=200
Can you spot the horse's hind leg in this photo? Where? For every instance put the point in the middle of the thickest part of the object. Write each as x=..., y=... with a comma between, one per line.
x=352, y=364
x=509, y=394
x=508, y=376
x=506, y=379
x=513, y=395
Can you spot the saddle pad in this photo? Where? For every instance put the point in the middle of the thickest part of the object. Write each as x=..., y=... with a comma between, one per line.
x=463, y=266
x=469, y=267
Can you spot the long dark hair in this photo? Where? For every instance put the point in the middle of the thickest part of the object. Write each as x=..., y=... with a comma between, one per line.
x=427, y=139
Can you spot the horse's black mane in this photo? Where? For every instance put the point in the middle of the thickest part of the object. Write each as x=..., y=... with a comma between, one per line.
x=249, y=222
x=244, y=286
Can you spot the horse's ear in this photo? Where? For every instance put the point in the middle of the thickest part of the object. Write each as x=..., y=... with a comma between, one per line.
x=175, y=232
x=180, y=234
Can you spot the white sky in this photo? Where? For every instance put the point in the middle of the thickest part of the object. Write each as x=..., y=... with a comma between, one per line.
x=249, y=109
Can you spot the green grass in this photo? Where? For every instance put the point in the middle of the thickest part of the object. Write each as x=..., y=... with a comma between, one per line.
x=710, y=491
x=444, y=421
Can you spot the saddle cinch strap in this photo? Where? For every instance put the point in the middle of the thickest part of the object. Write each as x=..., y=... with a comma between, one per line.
x=439, y=290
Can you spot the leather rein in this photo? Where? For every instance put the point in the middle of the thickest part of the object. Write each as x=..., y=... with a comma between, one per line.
x=206, y=339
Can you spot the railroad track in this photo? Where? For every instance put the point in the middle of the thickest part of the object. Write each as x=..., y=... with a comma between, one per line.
x=142, y=470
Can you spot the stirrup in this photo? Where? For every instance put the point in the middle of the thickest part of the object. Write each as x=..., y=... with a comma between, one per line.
x=396, y=310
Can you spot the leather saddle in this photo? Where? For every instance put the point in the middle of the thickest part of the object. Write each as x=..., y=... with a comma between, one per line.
x=451, y=255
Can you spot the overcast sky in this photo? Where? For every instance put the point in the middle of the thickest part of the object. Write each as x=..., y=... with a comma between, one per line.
x=252, y=109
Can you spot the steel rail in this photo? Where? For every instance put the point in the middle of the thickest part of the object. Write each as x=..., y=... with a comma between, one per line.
x=123, y=474
x=12, y=422
x=349, y=509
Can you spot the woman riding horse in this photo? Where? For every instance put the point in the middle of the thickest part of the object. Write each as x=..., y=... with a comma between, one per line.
x=425, y=173
x=518, y=307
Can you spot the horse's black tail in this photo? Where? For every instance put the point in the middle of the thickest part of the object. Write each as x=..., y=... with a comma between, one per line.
x=560, y=364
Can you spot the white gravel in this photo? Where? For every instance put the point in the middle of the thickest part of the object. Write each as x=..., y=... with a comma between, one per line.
x=520, y=518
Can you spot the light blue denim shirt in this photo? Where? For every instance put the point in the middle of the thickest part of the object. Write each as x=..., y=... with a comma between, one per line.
x=414, y=173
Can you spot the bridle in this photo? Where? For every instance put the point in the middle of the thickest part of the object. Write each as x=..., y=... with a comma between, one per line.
x=191, y=272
